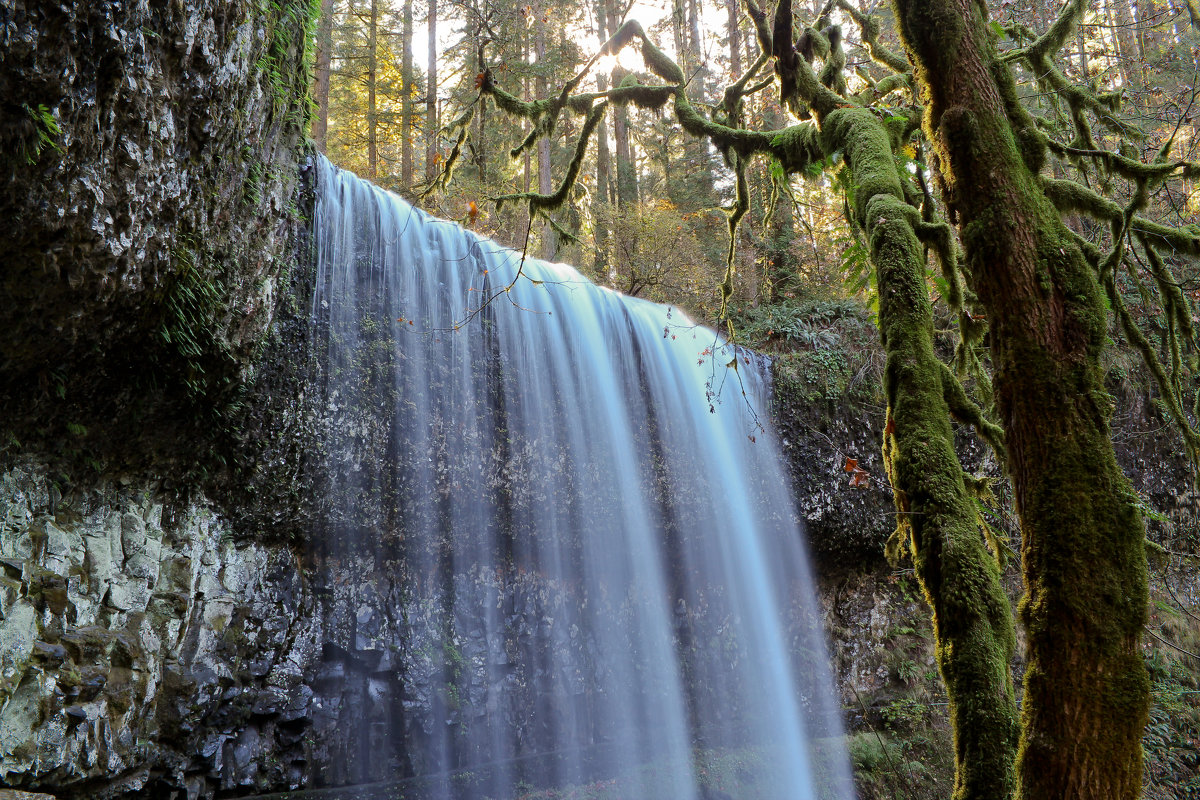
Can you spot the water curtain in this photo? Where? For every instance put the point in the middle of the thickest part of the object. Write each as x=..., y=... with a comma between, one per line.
x=578, y=495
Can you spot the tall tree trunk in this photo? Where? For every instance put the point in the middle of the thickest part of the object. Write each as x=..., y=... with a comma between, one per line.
x=1086, y=688
x=694, y=43
x=972, y=618
x=678, y=24
x=320, y=124
x=431, y=95
x=695, y=187
x=1147, y=36
x=600, y=198
x=526, y=157
x=479, y=136
x=627, y=182
x=548, y=239
x=780, y=234
x=1085, y=66
x=1119, y=18
x=406, y=101
x=372, y=78
x=1177, y=23
x=733, y=30
x=627, y=189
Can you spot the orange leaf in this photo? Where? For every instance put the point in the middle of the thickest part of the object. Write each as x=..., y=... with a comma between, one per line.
x=479, y=80
x=890, y=428
x=851, y=464
x=472, y=212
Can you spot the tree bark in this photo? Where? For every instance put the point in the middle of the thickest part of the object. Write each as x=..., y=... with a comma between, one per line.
x=549, y=243
x=406, y=100
x=1120, y=17
x=1086, y=688
x=372, y=79
x=431, y=104
x=627, y=189
x=1147, y=36
x=600, y=198
x=734, y=32
x=321, y=66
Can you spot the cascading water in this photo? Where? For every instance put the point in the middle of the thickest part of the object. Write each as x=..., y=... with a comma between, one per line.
x=603, y=585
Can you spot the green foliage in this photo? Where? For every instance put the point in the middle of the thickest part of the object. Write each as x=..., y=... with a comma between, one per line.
x=46, y=131
x=905, y=713
x=1172, y=737
x=192, y=312
x=805, y=324
x=291, y=29
x=871, y=754
x=906, y=765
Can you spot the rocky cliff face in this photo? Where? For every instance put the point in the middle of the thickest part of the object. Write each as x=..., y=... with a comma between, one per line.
x=147, y=183
x=139, y=640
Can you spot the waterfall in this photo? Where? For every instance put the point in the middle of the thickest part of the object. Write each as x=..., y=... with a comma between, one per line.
x=603, y=583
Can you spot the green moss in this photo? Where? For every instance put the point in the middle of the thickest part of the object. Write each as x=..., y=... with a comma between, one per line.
x=287, y=55
x=1082, y=551
x=937, y=523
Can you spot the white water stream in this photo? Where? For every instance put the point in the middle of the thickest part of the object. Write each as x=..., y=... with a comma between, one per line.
x=607, y=585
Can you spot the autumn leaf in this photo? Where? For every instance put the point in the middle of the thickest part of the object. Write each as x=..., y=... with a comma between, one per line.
x=859, y=477
x=479, y=80
x=472, y=212
x=890, y=428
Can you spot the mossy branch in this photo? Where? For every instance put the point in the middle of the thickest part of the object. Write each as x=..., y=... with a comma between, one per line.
x=1071, y=197
x=1126, y=167
x=1133, y=333
x=1055, y=38
x=878, y=52
x=549, y=202
x=967, y=411
x=1175, y=302
x=762, y=31
x=459, y=128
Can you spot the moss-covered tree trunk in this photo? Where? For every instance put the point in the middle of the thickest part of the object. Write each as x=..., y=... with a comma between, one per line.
x=1086, y=688
x=973, y=623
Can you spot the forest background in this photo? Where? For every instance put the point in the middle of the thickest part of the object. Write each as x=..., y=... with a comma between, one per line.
x=646, y=215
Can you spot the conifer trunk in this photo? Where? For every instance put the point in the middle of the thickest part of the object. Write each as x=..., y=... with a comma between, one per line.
x=321, y=67
x=372, y=79
x=734, y=32
x=406, y=102
x=626, y=184
x=431, y=89
x=600, y=198
x=1086, y=688
x=549, y=243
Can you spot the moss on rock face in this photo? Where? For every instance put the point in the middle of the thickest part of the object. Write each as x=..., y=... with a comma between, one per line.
x=146, y=237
